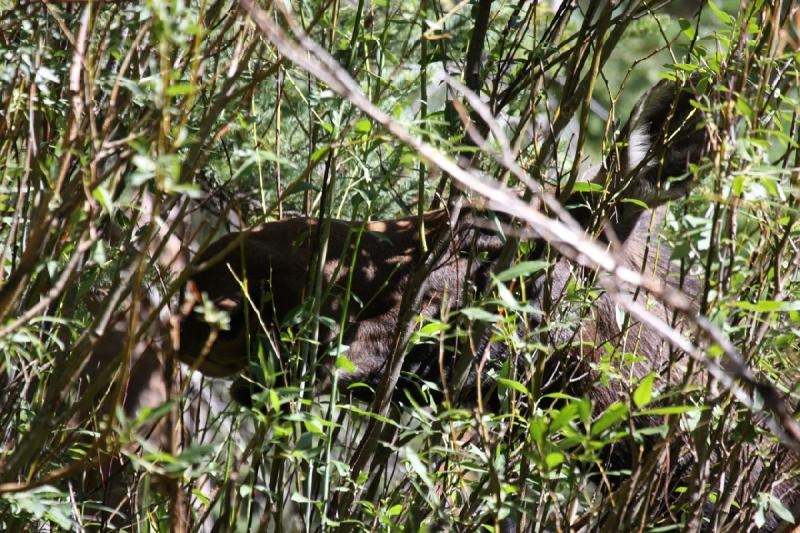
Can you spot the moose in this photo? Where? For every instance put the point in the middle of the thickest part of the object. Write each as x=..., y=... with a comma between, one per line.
x=378, y=260
x=260, y=277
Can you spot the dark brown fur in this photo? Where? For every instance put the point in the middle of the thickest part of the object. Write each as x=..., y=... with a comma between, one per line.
x=277, y=257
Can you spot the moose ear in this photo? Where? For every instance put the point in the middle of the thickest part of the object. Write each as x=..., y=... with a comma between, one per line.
x=664, y=134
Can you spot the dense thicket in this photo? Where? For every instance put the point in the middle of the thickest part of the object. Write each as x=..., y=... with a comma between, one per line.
x=132, y=134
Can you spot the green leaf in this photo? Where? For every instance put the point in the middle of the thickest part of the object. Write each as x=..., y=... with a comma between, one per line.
x=769, y=306
x=180, y=89
x=563, y=416
x=314, y=426
x=687, y=28
x=319, y=152
x=418, y=467
x=779, y=509
x=636, y=202
x=644, y=392
x=476, y=313
x=721, y=15
x=144, y=163
x=99, y=253
x=369, y=414
x=738, y=185
x=197, y=493
x=274, y=401
x=714, y=350
x=511, y=384
x=149, y=415
x=522, y=269
x=506, y=295
x=587, y=186
x=553, y=459
x=670, y=410
x=343, y=363
x=538, y=429
x=194, y=454
x=187, y=189
x=104, y=198
x=769, y=184
x=560, y=396
x=759, y=518
x=59, y=517
x=363, y=126
x=616, y=412
x=394, y=510
x=744, y=108
x=431, y=329
x=301, y=186
x=299, y=498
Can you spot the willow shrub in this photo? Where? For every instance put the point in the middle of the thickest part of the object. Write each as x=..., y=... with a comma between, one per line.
x=116, y=116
